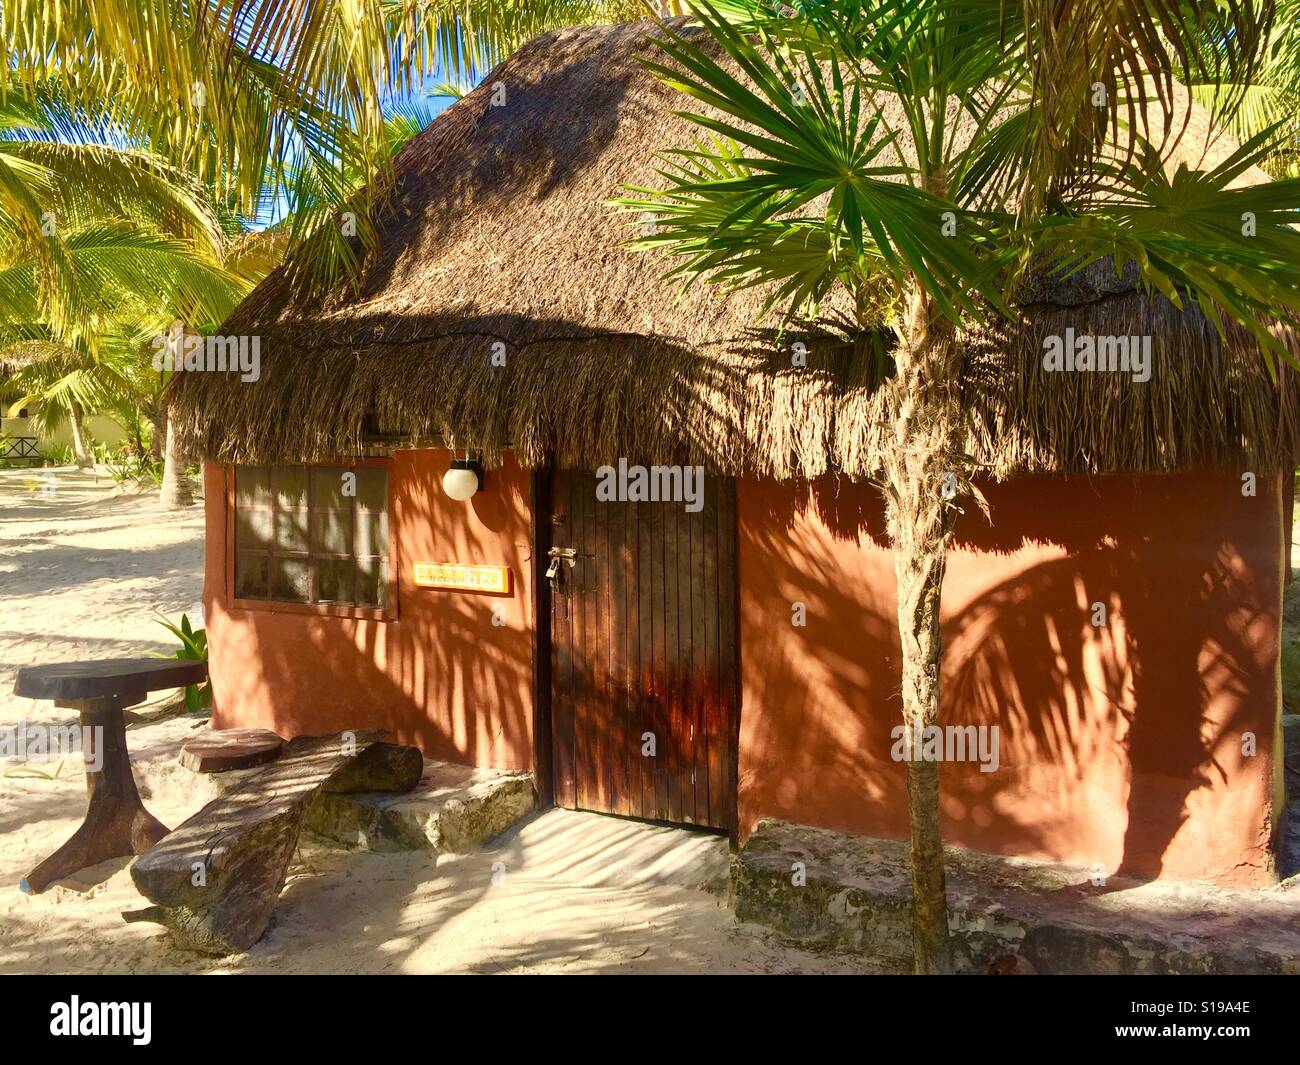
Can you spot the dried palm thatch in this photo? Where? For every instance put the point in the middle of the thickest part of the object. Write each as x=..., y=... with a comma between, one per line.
x=498, y=241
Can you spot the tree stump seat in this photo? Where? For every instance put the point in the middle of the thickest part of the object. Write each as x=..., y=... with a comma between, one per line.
x=221, y=750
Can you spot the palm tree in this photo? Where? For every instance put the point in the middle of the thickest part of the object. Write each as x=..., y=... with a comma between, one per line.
x=1028, y=146
x=219, y=111
x=81, y=300
x=217, y=88
x=101, y=237
x=65, y=382
x=82, y=217
x=117, y=279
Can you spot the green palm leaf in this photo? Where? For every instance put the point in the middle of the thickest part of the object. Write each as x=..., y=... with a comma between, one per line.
x=794, y=133
x=1233, y=250
x=219, y=88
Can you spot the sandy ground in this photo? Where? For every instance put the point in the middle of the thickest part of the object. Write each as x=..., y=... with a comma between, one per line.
x=82, y=571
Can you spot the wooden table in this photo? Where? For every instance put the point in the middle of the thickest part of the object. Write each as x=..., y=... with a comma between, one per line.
x=116, y=824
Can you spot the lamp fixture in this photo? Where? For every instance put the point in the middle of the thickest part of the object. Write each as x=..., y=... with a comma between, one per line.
x=463, y=479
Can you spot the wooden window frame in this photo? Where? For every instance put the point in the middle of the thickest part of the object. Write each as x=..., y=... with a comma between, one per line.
x=388, y=612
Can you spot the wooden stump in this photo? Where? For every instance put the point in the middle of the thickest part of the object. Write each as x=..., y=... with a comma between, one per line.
x=222, y=750
x=216, y=879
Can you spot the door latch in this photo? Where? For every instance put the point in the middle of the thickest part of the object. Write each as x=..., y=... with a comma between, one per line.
x=558, y=555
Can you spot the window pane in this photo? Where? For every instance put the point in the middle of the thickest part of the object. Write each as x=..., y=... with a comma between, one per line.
x=332, y=532
x=289, y=486
x=250, y=575
x=372, y=582
x=284, y=514
x=252, y=528
x=327, y=487
x=289, y=579
x=291, y=530
x=372, y=534
x=334, y=580
x=372, y=487
x=252, y=486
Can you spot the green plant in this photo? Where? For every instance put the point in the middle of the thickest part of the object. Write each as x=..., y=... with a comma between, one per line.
x=212, y=87
x=128, y=466
x=1272, y=96
x=58, y=455
x=193, y=648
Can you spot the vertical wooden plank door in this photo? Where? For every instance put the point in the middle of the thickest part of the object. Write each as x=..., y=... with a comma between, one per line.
x=644, y=668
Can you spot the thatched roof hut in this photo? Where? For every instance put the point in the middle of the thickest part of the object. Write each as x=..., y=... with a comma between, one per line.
x=498, y=240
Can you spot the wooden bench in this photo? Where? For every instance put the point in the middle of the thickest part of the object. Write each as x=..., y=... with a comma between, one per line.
x=215, y=881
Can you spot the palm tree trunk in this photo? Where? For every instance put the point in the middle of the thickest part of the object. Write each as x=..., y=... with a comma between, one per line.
x=921, y=475
x=84, y=459
x=175, y=485
x=159, y=418
x=137, y=435
x=176, y=490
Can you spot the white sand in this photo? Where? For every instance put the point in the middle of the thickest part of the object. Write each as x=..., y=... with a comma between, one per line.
x=84, y=571
x=80, y=576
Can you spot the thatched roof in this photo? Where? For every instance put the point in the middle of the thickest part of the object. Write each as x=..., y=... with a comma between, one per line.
x=498, y=233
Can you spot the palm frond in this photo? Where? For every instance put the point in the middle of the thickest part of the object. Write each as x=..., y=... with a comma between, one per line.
x=799, y=129
x=1193, y=236
x=220, y=88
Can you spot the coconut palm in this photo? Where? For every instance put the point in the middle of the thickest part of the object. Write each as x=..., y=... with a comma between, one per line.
x=235, y=104
x=303, y=199
x=65, y=382
x=83, y=300
x=79, y=213
x=118, y=282
x=218, y=88
x=128, y=279
x=102, y=237
x=912, y=159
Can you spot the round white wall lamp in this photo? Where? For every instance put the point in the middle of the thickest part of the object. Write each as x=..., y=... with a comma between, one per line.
x=463, y=479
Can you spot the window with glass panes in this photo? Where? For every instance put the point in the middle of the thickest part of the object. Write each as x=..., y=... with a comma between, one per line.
x=312, y=534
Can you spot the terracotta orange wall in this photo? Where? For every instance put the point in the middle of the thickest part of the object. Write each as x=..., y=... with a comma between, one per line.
x=1120, y=745
x=442, y=675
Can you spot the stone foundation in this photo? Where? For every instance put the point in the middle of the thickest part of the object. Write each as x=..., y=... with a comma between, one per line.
x=454, y=808
x=857, y=897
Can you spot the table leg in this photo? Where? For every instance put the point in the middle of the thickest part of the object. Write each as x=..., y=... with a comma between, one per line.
x=116, y=824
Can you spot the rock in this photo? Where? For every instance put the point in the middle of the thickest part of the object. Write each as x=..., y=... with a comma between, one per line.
x=454, y=808
x=387, y=767
x=825, y=889
x=1012, y=965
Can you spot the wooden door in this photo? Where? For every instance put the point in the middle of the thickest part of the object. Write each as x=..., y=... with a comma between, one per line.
x=644, y=666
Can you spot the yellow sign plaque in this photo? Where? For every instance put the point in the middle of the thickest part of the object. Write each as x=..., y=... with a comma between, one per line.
x=493, y=579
